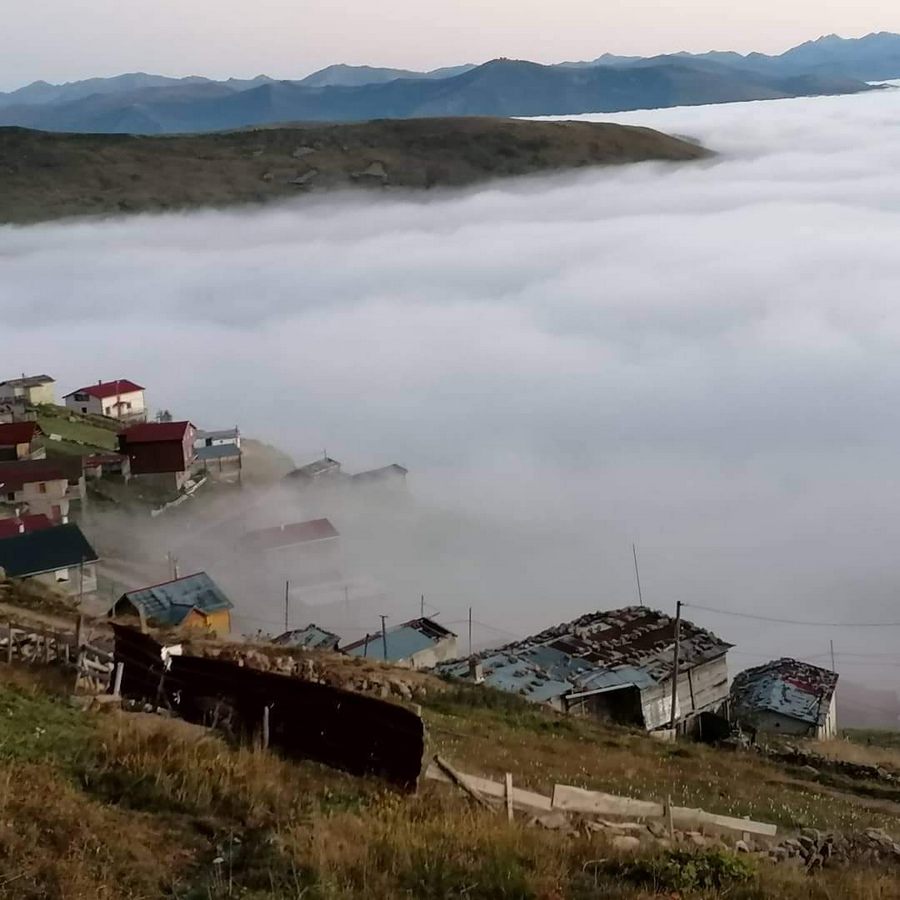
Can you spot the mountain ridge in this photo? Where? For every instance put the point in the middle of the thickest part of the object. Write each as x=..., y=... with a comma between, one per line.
x=143, y=103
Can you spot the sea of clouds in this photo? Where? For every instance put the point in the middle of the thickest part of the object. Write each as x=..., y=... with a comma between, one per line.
x=703, y=359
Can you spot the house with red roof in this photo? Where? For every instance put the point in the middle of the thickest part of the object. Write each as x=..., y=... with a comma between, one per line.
x=304, y=553
x=119, y=399
x=159, y=453
x=23, y=525
x=20, y=440
x=43, y=486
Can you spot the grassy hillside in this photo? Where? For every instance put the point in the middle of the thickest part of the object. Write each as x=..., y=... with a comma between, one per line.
x=47, y=176
x=115, y=805
x=77, y=434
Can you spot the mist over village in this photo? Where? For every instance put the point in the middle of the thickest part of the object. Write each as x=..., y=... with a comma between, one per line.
x=470, y=475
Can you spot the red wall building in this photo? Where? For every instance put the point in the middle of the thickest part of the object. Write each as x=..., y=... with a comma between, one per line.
x=157, y=448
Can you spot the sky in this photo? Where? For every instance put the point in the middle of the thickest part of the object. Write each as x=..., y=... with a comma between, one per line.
x=701, y=359
x=58, y=40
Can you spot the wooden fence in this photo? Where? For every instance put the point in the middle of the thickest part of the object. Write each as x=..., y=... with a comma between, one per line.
x=94, y=668
x=578, y=800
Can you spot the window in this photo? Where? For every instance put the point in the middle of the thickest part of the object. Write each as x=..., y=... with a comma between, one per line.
x=81, y=398
x=42, y=488
x=62, y=575
x=84, y=409
x=11, y=497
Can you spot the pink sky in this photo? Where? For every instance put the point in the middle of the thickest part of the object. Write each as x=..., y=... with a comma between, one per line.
x=61, y=40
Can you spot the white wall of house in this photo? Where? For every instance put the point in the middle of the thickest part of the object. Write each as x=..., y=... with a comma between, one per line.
x=703, y=687
x=75, y=580
x=49, y=498
x=36, y=394
x=121, y=406
x=429, y=657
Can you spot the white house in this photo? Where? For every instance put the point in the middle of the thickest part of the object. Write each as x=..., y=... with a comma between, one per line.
x=120, y=399
x=33, y=389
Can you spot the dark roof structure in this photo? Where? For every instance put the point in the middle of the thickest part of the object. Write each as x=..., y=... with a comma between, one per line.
x=290, y=535
x=598, y=651
x=170, y=603
x=15, y=475
x=310, y=638
x=48, y=550
x=218, y=451
x=154, y=432
x=393, y=472
x=326, y=466
x=15, y=433
x=785, y=686
x=105, y=389
x=27, y=381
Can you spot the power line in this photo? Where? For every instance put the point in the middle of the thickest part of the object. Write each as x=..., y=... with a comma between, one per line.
x=807, y=623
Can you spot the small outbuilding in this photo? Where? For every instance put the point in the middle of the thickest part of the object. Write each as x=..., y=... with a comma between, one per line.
x=786, y=696
x=159, y=453
x=31, y=389
x=21, y=440
x=59, y=557
x=417, y=644
x=194, y=601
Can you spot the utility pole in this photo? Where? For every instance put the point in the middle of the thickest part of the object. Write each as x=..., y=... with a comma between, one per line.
x=287, y=600
x=470, y=631
x=422, y=607
x=384, y=637
x=637, y=574
x=675, y=663
x=833, y=669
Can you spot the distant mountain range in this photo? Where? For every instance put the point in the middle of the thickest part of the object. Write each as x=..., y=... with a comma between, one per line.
x=154, y=104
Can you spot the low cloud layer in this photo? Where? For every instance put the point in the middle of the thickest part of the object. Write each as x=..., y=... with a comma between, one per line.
x=702, y=359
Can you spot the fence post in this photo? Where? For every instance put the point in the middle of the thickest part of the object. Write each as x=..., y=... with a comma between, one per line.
x=9, y=643
x=45, y=636
x=508, y=786
x=79, y=629
x=117, y=681
x=265, y=728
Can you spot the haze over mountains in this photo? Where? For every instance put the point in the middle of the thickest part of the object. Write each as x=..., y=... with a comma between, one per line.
x=153, y=104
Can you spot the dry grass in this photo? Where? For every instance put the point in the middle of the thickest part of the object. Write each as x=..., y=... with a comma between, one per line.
x=117, y=805
x=861, y=754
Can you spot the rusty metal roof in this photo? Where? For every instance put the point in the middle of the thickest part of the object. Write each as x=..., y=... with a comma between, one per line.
x=786, y=686
x=600, y=650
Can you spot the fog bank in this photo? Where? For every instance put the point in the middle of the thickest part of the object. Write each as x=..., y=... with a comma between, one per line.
x=700, y=359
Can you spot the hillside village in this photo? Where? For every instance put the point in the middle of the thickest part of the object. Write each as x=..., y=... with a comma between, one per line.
x=90, y=479
x=64, y=468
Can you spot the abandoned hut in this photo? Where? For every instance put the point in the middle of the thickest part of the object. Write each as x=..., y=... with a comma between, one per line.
x=786, y=696
x=614, y=665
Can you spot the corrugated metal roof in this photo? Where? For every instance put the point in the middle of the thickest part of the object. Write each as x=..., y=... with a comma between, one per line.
x=48, y=550
x=18, y=433
x=786, y=686
x=152, y=432
x=23, y=525
x=324, y=466
x=630, y=646
x=170, y=603
x=104, y=389
x=310, y=638
x=290, y=535
x=217, y=451
x=403, y=641
x=28, y=381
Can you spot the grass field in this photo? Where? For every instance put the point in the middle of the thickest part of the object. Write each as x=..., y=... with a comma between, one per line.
x=78, y=433
x=113, y=805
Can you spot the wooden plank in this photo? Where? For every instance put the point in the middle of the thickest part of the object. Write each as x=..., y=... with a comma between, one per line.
x=573, y=799
x=461, y=781
x=684, y=817
x=508, y=787
x=526, y=800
